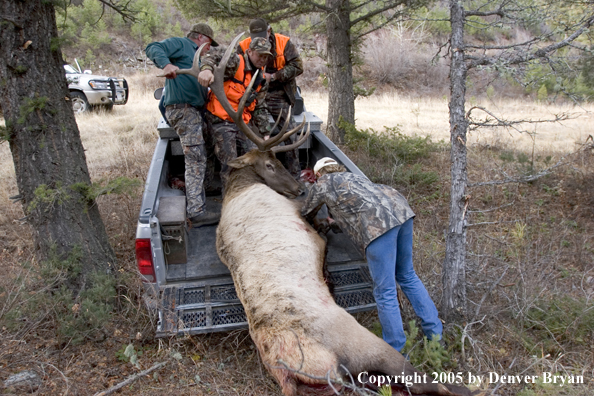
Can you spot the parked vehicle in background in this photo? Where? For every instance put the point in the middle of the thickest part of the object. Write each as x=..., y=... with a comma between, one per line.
x=88, y=90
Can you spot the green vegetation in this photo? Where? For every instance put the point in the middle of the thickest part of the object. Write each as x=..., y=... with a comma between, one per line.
x=424, y=354
x=46, y=198
x=31, y=105
x=90, y=314
x=540, y=388
x=393, y=157
x=91, y=27
x=119, y=185
x=385, y=390
x=128, y=353
x=390, y=145
x=76, y=318
x=5, y=132
x=554, y=322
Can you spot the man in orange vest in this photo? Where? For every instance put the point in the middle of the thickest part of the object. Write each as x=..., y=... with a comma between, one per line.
x=280, y=73
x=230, y=142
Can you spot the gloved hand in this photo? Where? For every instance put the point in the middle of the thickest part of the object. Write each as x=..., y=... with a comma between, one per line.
x=321, y=225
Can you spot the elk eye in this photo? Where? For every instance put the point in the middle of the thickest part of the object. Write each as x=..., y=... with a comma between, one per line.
x=270, y=167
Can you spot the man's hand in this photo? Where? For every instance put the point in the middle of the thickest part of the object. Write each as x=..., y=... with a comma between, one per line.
x=170, y=71
x=321, y=225
x=205, y=78
x=268, y=77
x=334, y=225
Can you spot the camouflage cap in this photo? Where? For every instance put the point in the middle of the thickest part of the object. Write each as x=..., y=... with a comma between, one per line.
x=261, y=45
x=258, y=28
x=204, y=29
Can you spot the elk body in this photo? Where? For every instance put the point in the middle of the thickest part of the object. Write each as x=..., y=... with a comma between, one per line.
x=276, y=260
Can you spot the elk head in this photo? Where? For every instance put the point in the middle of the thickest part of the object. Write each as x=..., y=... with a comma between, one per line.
x=271, y=171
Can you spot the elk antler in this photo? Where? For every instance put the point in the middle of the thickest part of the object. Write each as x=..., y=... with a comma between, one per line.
x=218, y=90
x=195, y=70
x=302, y=138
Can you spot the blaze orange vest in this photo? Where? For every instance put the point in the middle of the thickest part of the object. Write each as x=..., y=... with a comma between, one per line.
x=281, y=43
x=234, y=89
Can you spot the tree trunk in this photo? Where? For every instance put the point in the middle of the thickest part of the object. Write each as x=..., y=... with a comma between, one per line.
x=47, y=151
x=454, y=273
x=341, y=100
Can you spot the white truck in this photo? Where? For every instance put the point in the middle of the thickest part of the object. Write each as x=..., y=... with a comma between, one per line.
x=88, y=90
x=184, y=280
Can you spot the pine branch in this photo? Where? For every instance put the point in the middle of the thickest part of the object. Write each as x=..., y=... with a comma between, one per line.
x=122, y=8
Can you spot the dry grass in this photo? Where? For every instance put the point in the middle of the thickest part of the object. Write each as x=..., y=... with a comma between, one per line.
x=536, y=249
x=429, y=116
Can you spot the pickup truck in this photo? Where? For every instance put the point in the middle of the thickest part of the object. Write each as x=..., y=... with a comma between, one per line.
x=184, y=280
x=87, y=89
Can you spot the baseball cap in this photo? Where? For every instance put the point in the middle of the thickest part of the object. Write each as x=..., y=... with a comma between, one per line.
x=258, y=28
x=323, y=162
x=261, y=45
x=203, y=28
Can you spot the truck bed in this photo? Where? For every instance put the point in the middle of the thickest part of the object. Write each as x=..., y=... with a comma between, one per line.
x=198, y=295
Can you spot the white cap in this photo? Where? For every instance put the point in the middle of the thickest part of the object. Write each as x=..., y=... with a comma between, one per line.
x=323, y=162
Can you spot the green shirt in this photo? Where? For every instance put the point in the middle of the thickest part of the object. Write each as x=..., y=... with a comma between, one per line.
x=179, y=51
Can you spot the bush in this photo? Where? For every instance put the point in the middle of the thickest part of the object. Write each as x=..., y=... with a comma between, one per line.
x=390, y=145
x=559, y=321
x=392, y=157
x=424, y=354
x=52, y=301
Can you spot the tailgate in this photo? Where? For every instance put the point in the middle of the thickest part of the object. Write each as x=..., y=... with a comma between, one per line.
x=209, y=308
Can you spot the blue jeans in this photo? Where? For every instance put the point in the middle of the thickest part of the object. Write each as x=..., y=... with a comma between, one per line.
x=389, y=255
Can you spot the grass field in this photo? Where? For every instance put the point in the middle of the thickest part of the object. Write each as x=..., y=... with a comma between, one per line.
x=430, y=117
x=530, y=263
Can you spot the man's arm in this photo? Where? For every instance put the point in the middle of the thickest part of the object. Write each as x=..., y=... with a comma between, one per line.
x=163, y=53
x=314, y=201
x=211, y=60
x=261, y=112
x=293, y=64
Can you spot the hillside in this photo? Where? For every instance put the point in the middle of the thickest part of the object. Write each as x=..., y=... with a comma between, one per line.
x=406, y=56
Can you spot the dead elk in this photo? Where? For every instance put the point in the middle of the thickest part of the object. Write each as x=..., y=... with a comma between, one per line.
x=276, y=258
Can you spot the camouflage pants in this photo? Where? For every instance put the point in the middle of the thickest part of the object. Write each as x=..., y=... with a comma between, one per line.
x=188, y=124
x=229, y=143
x=278, y=104
x=207, y=133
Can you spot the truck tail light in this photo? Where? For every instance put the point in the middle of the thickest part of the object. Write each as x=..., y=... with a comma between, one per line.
x=144, y=259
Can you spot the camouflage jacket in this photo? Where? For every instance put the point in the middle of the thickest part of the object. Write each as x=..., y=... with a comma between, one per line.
x=362, y=209
x=285, y=77
x=260, y=113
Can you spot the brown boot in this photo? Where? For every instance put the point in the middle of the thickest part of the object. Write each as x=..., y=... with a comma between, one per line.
x=205, y=218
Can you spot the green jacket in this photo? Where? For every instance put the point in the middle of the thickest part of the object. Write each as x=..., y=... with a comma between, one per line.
x=179, y=51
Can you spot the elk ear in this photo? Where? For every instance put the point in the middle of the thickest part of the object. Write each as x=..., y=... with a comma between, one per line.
x=239, y=163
